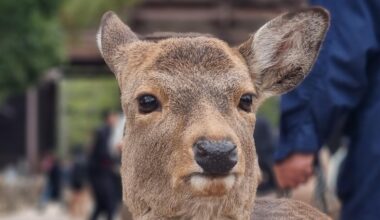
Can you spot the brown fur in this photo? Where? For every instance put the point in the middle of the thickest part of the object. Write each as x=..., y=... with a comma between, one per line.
x=199, y=81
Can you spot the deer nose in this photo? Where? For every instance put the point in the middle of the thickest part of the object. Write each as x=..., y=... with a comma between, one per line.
x=215, y=157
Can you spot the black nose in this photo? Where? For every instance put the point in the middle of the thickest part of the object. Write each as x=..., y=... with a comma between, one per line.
x=215, y=157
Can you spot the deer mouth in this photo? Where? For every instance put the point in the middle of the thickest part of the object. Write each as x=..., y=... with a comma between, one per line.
x=212, y=185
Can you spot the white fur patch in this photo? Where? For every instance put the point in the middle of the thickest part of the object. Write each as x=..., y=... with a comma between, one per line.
x=200, y=183
x=229, y=181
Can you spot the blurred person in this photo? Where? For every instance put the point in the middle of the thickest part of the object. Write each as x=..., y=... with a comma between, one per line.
x=117, y=135
x=265, y=144
x=102, y=169
x=78, y=171
x=116, y=147
x=78, y=180
x=52, y=169
x=344, y=83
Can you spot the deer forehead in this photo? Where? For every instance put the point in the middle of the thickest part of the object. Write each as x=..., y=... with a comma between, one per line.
x=187, y=65
x=202, y=53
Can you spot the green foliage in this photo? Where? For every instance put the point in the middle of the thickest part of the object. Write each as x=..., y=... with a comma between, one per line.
x=84, y=100
x=79, y=14
x=270, y=110
x=30, y=42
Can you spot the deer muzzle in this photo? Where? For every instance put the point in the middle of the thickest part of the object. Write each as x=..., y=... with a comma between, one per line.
x=216, y=158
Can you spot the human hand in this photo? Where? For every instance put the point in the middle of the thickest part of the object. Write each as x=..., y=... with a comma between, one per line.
x=294, y=170
x=119, y=146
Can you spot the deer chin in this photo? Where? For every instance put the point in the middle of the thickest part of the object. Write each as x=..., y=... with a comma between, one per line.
x=208, y=185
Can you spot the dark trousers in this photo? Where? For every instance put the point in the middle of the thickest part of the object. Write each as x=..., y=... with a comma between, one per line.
x=105, y=195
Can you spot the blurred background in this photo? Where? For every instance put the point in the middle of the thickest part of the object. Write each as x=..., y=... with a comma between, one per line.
x=56, y=91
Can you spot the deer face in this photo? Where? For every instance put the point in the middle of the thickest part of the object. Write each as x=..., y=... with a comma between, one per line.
x=190, y=103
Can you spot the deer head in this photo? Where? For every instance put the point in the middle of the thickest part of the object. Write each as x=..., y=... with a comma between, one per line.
x=190, y=103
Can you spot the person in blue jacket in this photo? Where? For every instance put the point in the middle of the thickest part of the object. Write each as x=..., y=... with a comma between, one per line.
x=344, y=83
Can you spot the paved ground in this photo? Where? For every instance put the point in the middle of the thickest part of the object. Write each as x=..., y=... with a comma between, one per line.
x=52, y=212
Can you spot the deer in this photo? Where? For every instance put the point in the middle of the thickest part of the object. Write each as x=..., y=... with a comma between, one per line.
x=190, y=102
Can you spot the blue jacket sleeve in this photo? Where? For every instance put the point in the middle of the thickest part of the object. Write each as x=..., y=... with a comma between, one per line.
x=336, y=83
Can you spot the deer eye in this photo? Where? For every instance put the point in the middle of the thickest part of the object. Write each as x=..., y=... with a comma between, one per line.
x=148, y=104
x=245, y=102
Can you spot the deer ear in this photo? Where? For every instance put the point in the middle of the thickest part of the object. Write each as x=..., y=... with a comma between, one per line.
x=281, y=53
x=112, y=34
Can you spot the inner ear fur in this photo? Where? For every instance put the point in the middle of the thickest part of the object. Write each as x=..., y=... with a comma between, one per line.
x=281, y=53
x=112, y=34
